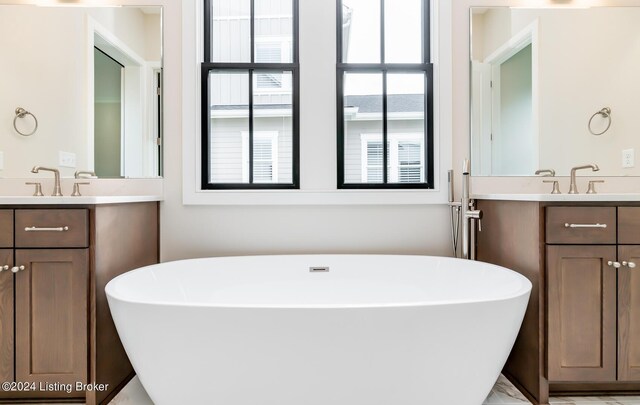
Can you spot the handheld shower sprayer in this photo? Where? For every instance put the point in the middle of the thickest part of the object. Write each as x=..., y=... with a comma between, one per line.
x=463, y=214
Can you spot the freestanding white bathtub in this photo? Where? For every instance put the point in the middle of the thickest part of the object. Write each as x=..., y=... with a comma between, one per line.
x=265, y=330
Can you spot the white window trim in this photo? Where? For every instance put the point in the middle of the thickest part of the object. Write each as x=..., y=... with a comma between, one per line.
x=310, y=194
x=273, y=137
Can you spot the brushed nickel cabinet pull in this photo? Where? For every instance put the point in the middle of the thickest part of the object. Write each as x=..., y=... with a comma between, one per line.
x=567, y=225
x=614, y=264
x=5, y=267
x=630, y=265
x=36, y=229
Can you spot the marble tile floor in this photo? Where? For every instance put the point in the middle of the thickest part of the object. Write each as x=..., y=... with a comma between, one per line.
x=503, y=393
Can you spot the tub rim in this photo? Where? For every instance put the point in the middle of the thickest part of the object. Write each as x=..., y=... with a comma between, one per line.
x=525, y=288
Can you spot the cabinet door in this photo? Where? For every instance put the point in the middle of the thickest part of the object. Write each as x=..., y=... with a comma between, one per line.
x=629, y=314
x=581, y=294
x=6, y=316
x=51, y=316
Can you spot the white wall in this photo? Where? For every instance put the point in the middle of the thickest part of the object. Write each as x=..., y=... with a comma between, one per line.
x=194, y=231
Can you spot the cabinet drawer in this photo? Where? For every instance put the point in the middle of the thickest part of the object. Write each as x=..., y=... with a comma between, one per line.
x=52, y=228
x=6, y=228
x=579, y=225
x=629, y=225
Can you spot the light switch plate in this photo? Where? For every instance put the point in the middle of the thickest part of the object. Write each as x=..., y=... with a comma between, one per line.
x=1, y=160
x=67, y=159
x=628, y=158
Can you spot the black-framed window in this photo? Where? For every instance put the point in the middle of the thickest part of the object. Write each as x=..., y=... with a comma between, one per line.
x=250, y=95
x=385, y=94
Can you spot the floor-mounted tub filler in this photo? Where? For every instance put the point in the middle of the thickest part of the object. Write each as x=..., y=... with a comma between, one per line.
x=319, y=329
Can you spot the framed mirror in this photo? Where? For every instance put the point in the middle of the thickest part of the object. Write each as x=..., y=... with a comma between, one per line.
x=553, y=88
x=92, y=78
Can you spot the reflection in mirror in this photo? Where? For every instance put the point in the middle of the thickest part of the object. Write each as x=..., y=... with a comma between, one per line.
x=538, y=75
x=92, y=77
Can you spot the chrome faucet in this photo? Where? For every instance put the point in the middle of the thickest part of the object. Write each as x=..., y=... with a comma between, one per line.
x=57, y=191
x=573, y=188
x=546, y=172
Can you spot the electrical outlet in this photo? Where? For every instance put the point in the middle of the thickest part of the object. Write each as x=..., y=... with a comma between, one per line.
x=628, y=158
x=67, y=159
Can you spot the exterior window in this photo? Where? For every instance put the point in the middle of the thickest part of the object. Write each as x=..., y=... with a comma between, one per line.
x=384, y=84
x=405, y=163
x=250, y=95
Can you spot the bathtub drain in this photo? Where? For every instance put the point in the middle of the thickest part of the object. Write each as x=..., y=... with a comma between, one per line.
x=318, y=269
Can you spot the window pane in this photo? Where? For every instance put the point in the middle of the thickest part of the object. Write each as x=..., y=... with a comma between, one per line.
x=363, y=128
x=405, y=114
x=361, y=31
x=273, y=127
x=274, y=31
x=403, y=31
x=230, y=31
x=228, y=150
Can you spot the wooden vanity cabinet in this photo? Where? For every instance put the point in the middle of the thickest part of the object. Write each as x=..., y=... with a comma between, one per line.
x=51, y=316
x=629, y=313
x=55, y=324
x=581, y=313
x=7, y=356
x=581, y=331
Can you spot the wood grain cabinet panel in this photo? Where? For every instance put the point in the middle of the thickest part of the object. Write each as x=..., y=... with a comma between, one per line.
x=51, y=316
x=582, y=225
x=629, y=225
x=6, y=228
x=581, y=344
x=50, y=227
x=6, y=317
x=629, y=314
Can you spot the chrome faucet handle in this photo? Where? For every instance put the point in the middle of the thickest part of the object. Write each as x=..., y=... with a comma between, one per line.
x=76, y=188
x=38, y=190
x=556, y=186
x=592, y=186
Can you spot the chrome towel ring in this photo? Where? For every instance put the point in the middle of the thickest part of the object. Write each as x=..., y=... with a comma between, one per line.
x=21, y=113
x=605, y=113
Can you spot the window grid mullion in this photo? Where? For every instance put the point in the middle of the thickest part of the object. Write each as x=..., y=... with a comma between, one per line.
x=207, y=30
x=385, y=126
x=252, y=30
x=251, y=124
x=382, y=33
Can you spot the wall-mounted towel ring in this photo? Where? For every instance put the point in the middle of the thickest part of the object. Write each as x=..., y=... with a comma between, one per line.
x=21, y=113
x=605, y=113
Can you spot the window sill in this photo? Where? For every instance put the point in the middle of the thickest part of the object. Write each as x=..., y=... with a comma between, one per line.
x=315, y=197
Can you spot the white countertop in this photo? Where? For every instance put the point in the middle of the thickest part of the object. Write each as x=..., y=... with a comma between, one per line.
x=600, y=197
x=83, y=200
